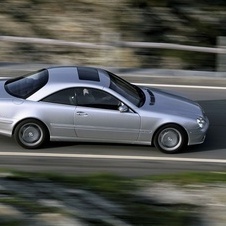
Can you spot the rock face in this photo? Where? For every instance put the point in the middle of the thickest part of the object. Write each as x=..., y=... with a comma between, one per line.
x=104, y=22
x=41, y=202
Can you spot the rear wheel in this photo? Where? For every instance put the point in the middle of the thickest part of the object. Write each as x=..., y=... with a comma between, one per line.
x=30, y=133
x=170, y=139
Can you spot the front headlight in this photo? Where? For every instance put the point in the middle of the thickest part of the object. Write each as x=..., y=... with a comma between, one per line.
x=201, y=122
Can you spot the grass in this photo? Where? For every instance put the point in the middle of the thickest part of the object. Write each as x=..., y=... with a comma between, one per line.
x=190, y=178
x=114, y=183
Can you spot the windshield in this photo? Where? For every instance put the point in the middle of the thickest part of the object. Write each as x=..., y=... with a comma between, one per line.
x=131, y=92
x=25, y=86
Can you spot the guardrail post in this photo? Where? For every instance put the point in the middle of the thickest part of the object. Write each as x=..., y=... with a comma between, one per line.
x=221, y=57
x=110, y=58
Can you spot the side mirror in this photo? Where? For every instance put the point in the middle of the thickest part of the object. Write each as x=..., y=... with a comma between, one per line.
x=123, y=108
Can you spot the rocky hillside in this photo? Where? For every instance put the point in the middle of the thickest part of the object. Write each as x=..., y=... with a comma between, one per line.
x=99, y=21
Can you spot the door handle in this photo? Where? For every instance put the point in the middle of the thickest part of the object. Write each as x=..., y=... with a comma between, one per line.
x=81, y=113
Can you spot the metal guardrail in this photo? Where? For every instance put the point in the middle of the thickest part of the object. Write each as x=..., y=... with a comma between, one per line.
x=111, y=45
x=173, y=46
x=45, y=41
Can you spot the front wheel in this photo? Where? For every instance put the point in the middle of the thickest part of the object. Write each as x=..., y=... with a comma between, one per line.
x=30, y=134
x=170, y=139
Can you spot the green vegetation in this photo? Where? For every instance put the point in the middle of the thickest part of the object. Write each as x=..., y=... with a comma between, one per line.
x=114, y=183
x=191, y=178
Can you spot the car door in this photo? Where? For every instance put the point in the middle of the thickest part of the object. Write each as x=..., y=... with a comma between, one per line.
x=97, y=117
x=58, y=110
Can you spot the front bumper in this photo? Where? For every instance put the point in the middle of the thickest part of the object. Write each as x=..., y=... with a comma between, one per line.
x=198, y=135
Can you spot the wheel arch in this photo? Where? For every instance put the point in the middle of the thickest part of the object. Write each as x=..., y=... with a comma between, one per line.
x=32, y=118
x=169, y=124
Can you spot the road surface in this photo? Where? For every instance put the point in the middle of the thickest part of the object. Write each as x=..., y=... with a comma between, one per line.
x=132, y=160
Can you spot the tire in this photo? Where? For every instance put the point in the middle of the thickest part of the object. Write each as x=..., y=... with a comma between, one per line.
x=170, y=139
x=30, y=134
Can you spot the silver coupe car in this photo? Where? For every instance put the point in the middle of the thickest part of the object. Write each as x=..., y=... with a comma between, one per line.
x=94, y=105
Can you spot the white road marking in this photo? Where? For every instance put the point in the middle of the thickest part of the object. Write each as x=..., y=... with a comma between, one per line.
x=182, y=86
x=119, y=157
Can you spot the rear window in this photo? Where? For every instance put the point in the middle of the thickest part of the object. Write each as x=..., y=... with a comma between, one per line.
x=25, y=86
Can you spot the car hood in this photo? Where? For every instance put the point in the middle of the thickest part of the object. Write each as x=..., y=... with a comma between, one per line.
x=158, y=100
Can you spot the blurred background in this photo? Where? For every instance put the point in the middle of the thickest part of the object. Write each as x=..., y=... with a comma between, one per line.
x=95, y=32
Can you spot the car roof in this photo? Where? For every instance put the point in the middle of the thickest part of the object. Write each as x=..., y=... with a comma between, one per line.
x=62, y=77
x=82, y=75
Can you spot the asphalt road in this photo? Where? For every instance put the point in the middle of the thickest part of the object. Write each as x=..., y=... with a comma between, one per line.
x=132, y=160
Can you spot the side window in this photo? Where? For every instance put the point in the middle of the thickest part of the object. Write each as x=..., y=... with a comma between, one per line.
x=95, y=98
x=66, y=96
